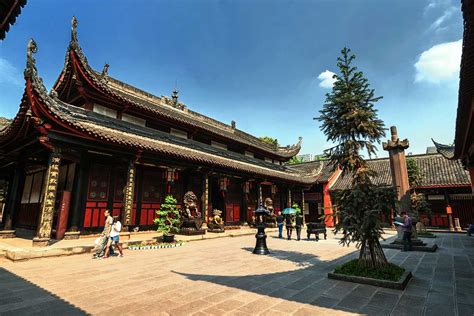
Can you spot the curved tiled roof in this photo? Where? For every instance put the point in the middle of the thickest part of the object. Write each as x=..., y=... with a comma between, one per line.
x=145, y=101
x=321, y=169
x=113, y=131
x=435, y=170
x=9, y=11
x=446, y=150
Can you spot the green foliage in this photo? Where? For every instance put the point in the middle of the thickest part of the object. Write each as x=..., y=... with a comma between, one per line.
x=390, y=272
x=419, y=204
x=319, y=157
x=168, y=216
x=414, y=173
x=359, y=211
x=270, y=141
x=297, y=208
x=294, y=160
x=349, y=119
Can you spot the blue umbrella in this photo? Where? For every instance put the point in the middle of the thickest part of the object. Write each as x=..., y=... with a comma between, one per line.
x=288, y=211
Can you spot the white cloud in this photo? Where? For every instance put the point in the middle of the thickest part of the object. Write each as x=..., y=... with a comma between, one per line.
x=327, y=81
x=439, y=63
x=8, y=73
x=438, y=23
x=433, y=4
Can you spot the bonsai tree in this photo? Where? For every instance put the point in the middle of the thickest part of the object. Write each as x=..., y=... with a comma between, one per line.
x=349, y=120
x=168, y=217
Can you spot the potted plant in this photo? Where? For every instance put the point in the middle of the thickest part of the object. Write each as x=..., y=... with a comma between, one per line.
x=168, y=219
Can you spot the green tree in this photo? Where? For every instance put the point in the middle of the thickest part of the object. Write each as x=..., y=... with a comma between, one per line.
x=350, y=121
x=294, y=160
x=419, y=203
x=270, y=141
x=414, y=173
x=168, y=216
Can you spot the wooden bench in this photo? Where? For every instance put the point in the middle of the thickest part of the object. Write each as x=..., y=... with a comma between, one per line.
x=316, y=228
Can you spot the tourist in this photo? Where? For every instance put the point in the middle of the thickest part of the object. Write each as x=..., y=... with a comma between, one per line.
x=289, y=226
x=470, y=229
x=104, y=235
x=280, y=221
x=299, y=224
x=407, y=230
x=114, y=237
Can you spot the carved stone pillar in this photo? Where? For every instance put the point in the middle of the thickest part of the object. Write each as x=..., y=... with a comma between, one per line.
x=398, y=167
x=128, y=195
x=43, y=233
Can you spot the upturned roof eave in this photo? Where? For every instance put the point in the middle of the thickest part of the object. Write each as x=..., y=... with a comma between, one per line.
x=101, y=86
x=50, y=106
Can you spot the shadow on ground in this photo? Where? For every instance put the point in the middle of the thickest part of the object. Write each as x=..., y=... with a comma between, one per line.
x=441, y=283
x=21, y=297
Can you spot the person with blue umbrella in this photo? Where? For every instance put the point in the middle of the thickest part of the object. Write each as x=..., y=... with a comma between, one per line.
x=289, y=212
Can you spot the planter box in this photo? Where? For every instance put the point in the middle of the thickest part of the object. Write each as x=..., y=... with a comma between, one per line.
x=400, y=285
x=136, y=247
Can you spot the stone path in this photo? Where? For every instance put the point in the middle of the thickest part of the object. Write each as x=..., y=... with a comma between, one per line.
x=222, y=276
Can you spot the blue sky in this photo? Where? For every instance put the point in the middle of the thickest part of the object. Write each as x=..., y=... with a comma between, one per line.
x=260, y=63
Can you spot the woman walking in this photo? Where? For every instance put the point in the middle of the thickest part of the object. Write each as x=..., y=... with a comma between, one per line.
x=289, y=226
x=114, y=237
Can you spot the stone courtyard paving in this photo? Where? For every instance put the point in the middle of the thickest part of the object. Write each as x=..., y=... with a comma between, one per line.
x=222, y=276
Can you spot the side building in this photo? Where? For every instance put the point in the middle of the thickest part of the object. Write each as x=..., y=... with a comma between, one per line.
x=444, y=183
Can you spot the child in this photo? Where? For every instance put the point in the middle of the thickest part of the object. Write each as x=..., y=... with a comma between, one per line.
x=114, y=237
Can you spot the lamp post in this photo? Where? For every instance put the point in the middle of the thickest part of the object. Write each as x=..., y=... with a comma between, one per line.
x=261, y=244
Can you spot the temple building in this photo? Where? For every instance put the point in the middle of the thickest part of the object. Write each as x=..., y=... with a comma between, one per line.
x=444, y=183
x=94, y=143
x=463, y=148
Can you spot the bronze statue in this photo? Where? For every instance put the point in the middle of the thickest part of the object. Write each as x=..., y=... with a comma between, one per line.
x=190, y=207
x=191, y=221
x=216, y=224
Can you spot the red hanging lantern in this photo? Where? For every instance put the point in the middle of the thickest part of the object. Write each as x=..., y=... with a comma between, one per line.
x=170, y=175
x=247, y=187
x=223, y=184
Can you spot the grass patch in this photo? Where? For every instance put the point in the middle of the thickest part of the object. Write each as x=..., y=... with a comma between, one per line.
x=390, y=273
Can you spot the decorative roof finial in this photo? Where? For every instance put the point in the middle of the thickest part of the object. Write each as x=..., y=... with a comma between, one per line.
x=175, y=96
x=105, y=75
x=31, y=49
x=73, y=29
x=232, y=124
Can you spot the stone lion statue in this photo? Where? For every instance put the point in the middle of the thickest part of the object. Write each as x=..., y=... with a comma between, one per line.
x=216, y=219
x=190, y=207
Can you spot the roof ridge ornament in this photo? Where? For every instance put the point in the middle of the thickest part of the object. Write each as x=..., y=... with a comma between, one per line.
x=31, y=49
x=74, y=29
x=104, y=76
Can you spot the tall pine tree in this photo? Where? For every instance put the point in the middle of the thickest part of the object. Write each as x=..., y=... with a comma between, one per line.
x=350, y=121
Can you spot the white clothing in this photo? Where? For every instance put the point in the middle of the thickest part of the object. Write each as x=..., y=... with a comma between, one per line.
x=116, y=228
